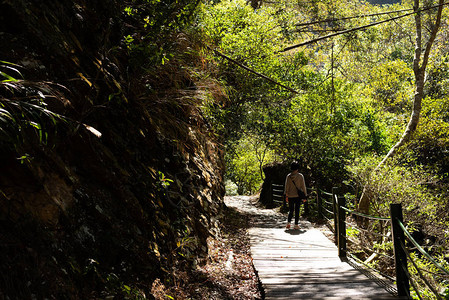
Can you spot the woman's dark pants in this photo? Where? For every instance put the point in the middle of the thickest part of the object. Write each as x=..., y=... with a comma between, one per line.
x=294, y=204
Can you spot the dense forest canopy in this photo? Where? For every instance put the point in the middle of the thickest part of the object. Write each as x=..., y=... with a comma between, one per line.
x=355, y=90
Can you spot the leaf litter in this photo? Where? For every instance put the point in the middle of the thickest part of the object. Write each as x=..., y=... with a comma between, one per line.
x=228, y=271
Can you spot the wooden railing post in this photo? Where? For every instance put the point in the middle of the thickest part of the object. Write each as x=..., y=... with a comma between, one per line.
x=400, y=258
x=319, y=203
x=334, y=208
x=284, y=203
x=341, y=202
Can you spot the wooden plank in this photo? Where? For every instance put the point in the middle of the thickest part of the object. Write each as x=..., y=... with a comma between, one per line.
x=325, y=291
x=302, y=264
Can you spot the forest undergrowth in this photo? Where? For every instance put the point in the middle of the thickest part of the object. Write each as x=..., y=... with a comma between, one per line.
x=228, y=271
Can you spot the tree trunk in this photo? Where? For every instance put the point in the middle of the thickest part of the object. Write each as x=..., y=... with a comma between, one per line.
x=419, y=69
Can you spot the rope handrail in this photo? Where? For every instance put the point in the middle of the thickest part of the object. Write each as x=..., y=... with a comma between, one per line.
x=423, y=278
x=364, y=215
x=328, y=202
x=370, y=232
x=340, y=231
x=399, y=233
x=370, y=250
x=377, y=271
x=421, y=250
x=329, y=224
x=330, y=212
x=412, y=282
x=410, y=279
x=325, y=193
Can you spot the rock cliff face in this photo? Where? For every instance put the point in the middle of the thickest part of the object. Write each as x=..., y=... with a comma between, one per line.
x=274, y=174
x=121, y=189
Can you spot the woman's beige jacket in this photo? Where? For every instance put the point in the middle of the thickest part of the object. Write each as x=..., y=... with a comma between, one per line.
x=290, y=189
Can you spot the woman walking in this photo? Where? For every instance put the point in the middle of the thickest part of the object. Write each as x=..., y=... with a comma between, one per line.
x=295, y=192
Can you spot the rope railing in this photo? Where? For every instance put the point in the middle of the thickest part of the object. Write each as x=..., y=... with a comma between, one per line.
x=422, y=281
x=325, y=193
x=329, y=221
x=277, y=193
x=387, y=235
x=353, y=212
x=328, y=202
x=340, y=211
x=328, y=211
x=423, y=278
x=383, y=238
x=332, y=208
x=369, y=232
x=419, y=271
x=322, y=201
x=421, y=250
x=412, y=282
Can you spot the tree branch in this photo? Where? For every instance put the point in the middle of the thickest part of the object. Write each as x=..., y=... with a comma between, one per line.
x=255, y=72
x=359, y=28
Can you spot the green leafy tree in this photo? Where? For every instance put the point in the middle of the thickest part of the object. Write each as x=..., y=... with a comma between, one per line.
x=155, y=23
x=423, y=45
x=244, y=164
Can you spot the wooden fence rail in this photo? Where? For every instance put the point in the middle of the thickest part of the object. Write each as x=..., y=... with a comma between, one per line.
x=277, y=196
x=402, y=257
x=277, y=193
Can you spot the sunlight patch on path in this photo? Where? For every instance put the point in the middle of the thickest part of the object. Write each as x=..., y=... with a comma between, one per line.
x=300, y=264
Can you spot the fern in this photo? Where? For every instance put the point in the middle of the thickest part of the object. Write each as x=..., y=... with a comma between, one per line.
x=24, y=116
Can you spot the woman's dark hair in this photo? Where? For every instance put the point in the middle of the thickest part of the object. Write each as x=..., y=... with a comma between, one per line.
x=294, y=166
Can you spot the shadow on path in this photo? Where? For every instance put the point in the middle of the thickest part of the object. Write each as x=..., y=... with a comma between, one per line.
x=300, y=264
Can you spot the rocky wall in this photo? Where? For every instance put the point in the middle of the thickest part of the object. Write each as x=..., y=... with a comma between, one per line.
x=126, y=187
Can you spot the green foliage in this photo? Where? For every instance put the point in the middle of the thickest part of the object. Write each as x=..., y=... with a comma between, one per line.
x=352, y=232
x=163, y=181
x=326, y=134
x=438, y=75
x=244, y=165
x=354, y=102
x=154, y=21
x=432, y=274
x=231, y=188
x=396, y=183
x=238, y=31
x=6, y=68
x=24, y=117
x=391, y=85
x=326, y=126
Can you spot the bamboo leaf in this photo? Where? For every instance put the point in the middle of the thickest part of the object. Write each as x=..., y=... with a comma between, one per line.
x=8, y=78
x=14, y=70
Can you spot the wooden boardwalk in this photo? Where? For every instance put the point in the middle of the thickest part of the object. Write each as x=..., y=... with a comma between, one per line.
x=301, y=264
